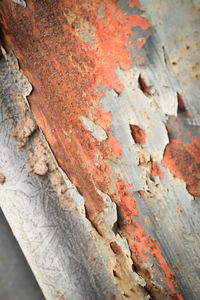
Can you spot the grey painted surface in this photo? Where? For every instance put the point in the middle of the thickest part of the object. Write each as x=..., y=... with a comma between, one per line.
x=177, y=29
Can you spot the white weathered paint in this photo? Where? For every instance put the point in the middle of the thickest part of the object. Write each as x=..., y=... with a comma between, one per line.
x=21, y=80
x=133, y=107
x=109, y=215
x=20, y=2
x=97, y=132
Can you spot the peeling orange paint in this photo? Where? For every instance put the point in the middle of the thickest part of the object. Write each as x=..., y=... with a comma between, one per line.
x=183, y=161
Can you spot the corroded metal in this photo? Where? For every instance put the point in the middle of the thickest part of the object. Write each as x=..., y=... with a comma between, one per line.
x=106, y=99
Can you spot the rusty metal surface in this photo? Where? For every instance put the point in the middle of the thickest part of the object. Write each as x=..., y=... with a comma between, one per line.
x=121, y=115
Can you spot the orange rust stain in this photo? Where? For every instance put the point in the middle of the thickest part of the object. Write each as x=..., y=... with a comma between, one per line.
x=102, y=118
x=115, y=248
x=143, y=86
x=128, y=205
x=66, y=73
x=183, y=161
x=115, y=146
x=138, y=134
x=155, y=170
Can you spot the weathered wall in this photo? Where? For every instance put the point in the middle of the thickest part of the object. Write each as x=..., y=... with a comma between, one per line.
x=121, y=116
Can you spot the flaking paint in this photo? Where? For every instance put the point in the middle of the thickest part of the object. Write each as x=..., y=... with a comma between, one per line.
x=45, y=44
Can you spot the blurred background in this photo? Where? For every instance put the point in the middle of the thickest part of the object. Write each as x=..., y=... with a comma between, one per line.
x=17, y=281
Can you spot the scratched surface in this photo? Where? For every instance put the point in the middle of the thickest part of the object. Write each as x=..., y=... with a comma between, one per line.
x=121, y=114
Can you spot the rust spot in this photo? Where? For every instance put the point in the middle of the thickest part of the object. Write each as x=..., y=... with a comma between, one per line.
x=155, y=170
x=181, y=105
x=183, y=161
x=143, y=86
x=138, y=134
x=143, y=272
x=179, y=210
x=115, y=248
x=2, y=178
x=196, y=67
